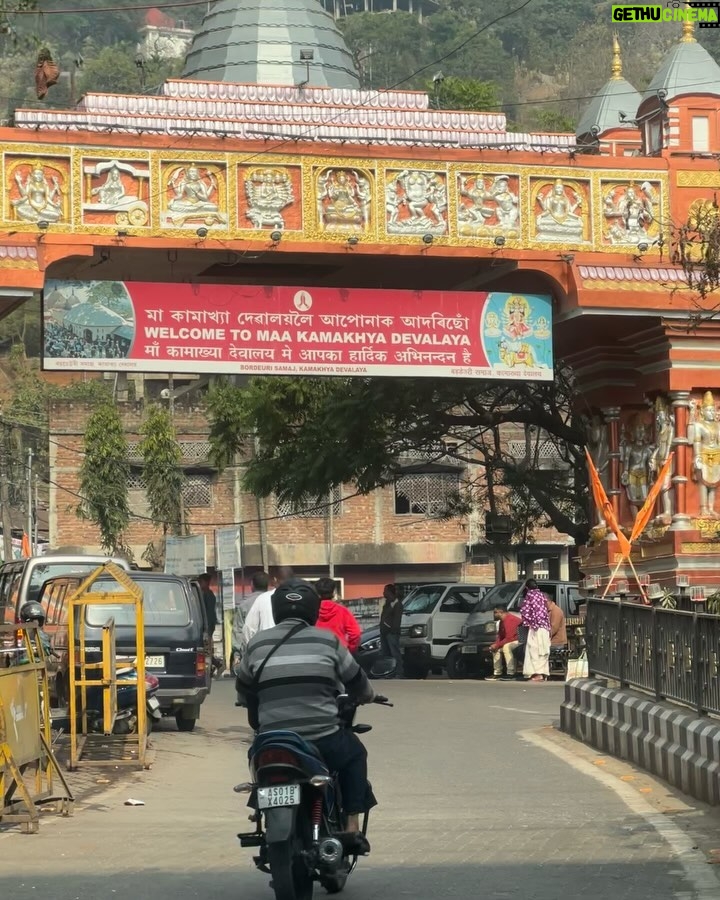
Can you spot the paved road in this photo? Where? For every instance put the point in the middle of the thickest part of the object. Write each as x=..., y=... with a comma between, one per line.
x=480, y=799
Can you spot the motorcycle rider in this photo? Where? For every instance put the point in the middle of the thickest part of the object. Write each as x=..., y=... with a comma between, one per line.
x=298, y=688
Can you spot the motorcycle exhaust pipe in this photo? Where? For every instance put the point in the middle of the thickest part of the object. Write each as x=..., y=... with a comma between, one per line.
x=330, y=852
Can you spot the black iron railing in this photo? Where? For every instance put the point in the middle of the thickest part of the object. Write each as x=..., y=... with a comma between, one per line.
x=671, y=654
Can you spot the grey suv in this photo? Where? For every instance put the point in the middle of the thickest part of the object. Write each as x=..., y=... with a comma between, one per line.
x=474, y=657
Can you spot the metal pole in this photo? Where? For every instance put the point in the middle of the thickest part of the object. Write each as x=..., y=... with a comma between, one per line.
x=35, y=507
x=621, y=642
x=331, y=535
x=5, y=500
x=171, y=397
x=29, y=498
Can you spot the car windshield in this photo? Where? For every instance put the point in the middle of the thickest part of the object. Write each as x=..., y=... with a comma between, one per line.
x=40, y=573
x=423, y=600
x=499, y=596
x=164, y=603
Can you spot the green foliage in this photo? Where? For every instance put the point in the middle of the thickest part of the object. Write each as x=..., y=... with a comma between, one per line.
x=162, y=475
x=315, y=434
x=463, y=93
x=22, y=328
x=104, y=477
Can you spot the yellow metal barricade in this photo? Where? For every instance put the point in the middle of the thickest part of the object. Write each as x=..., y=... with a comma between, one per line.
x=130, y=749
x=27, y=763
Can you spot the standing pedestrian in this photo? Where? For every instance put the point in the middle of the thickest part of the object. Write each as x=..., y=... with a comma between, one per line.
x=536, y=618
x=390, y=621
x=335, y=617
x=210, y=601
x=260, y=582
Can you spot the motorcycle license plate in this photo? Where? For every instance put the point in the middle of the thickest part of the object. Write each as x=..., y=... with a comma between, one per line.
x=469, y=648
x=282, y=795
x=153, y=703
x=154, y=662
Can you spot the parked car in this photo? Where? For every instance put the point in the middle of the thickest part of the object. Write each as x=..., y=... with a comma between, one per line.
x=433, y=616
x=474, y=656
x=176, y=638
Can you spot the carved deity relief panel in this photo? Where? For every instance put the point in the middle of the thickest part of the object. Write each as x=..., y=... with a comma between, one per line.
x=193, y=194
x=488, y=205
x=344, y=199
x=37, y=190
x=115, y=192
x=416, y=202
x=270, y=197
x=560, y=210
x=630, y=212
x=704, y=438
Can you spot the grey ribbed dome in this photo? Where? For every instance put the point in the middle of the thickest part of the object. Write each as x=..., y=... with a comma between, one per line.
x=616, y=96
x=259, y=42
x=687, y=69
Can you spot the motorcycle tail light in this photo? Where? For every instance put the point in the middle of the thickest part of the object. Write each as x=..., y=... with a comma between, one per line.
x=152, y=682
x=200, y=664
x=276, y=757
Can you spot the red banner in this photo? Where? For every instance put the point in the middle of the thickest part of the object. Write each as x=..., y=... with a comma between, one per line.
x=148, y=327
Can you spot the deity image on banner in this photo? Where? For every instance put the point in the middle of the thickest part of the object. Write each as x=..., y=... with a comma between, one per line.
x=344, y=200
x=268, y=195
x=87, y=320
x=115, y=192
x=416, y=202
x=194, y=194
x=630, y=212
x=516, y=331
x=37, y=190
x=561, y=210
x=488, y=205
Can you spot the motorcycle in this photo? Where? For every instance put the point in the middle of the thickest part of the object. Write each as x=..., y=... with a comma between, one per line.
x=297, y=811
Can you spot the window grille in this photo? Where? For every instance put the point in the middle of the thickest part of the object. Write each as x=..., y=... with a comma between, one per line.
x=311, y=508
x=425, y=493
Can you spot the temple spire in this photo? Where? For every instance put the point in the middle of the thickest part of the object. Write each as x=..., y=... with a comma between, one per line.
x=616, y=60
x=688, y=32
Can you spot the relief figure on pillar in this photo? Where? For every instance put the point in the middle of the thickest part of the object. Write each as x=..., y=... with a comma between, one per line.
x=704, y=433
x=599, y=449
x=561, y=215
x=268, y=191
x=193, y=196
x=416, y=202
x=629, y=213
x=113, y=193
x=664, y=437
x=635, y=453
x=40, y=196
x=344, y=200
x=488, y=205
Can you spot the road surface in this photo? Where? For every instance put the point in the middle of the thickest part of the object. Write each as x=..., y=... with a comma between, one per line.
x=480, y=798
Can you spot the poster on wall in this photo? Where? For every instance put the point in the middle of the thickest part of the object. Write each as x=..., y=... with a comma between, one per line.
x=224, y=329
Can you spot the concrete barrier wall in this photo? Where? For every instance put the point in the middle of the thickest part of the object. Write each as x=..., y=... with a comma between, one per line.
x=669, y=741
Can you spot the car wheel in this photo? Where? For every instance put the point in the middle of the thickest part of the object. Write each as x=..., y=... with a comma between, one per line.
x=456, y=664
x=184, y=724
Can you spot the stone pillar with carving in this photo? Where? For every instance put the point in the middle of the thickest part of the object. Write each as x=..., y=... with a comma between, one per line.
x=612, y=417
x=681, y=406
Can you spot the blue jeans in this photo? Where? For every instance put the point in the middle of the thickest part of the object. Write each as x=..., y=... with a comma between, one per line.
x=390, y=645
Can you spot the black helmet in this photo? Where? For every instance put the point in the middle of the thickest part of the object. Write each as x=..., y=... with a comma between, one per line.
x=32, y=612
x=295, y=599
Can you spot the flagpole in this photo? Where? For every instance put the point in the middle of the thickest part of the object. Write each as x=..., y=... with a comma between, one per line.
x=617, y=569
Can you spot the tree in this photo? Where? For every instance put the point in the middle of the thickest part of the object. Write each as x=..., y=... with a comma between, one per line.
x=104, y=478
x=162, y=475
x=23, y=328
x=464, y=93
x=316, y=434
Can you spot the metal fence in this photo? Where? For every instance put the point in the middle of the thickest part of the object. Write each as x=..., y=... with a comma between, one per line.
x=671, y=654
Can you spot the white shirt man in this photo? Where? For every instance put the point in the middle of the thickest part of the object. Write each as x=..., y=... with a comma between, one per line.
x=259, y=616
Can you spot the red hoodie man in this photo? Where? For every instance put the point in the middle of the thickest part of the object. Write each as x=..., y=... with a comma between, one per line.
x=335, y=617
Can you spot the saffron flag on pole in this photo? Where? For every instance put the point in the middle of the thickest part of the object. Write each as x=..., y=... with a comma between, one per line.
x=25, y=548
x=605, y=507
x=643, y=516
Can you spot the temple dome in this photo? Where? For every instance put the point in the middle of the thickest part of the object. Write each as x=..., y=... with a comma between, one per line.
x=687, y=69
x=616, y=96
x=259, y=42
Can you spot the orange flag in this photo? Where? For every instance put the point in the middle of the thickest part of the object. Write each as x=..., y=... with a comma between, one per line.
x=604, y=505
x=25, y=549
x=645, y=512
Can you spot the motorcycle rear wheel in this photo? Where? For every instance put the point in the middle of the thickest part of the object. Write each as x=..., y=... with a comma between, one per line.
x=291, y=879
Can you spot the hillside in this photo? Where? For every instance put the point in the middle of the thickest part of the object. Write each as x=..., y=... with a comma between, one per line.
x=543, y=62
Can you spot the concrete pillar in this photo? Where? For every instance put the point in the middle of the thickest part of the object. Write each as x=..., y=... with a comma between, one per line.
x=681, y=407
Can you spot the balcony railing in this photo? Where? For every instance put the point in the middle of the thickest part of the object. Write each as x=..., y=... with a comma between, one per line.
x=671, y=654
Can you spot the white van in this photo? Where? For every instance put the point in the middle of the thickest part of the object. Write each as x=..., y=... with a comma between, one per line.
x=433, y=616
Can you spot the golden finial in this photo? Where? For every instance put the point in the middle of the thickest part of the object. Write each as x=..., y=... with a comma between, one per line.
x=688, y=30
x=616, y=60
